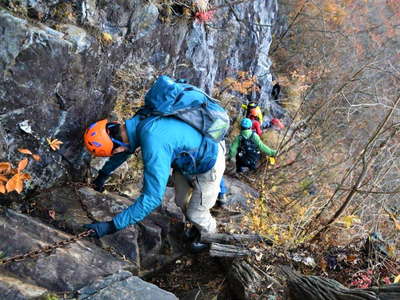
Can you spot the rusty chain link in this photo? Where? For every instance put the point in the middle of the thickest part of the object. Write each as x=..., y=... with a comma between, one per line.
x=62, y=243
x=51, y=247
x=46, y=249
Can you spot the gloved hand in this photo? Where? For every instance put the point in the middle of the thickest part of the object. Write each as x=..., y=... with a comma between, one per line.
x=101, y=228
x=99, y=182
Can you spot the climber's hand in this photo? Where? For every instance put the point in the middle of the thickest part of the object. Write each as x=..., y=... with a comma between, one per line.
x=101, y=228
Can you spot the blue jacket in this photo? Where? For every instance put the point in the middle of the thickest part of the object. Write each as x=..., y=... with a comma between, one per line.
x=165, y=143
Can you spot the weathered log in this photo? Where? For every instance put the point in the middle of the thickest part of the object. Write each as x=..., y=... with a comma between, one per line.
x=317, y=288
x=223, y=250
x=243, y=279
x=229, y=238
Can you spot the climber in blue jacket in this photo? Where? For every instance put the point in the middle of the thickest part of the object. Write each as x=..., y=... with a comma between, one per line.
x=198, y=165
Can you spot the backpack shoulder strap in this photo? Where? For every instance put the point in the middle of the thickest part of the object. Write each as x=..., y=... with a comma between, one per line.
x=250, y=137
x=146, y=116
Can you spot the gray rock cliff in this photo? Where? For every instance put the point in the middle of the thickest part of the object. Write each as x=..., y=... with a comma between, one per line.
x=57, y=66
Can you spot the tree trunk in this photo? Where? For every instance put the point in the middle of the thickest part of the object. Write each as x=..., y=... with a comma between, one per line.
x=319, y=288
x=243, y=279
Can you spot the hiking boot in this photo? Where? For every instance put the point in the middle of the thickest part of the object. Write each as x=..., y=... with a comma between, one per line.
x=198, y=247
x=192, y=234
x=221, y=201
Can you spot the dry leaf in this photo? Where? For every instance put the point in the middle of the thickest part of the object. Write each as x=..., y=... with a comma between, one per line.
x=2, y=188
x=25, y=151
x=52, y=214
x=349, y=220
x=25, y=176
x=323, y=265
x=11, y=184
x=54, y=144
x=5, y=167
x=396, y=223
x=19, y=185
x=394, y=219
x=3, y=178
x=201, y=5
x=36, y=157
x=391, y=250
x=22, y=164
x=106, y=37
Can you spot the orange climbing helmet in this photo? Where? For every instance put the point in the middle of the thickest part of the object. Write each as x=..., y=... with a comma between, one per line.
x=253, y=114
x=97, y=139
x=253, y=110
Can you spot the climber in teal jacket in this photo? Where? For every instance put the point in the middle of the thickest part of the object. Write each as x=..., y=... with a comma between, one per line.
x=197, y=163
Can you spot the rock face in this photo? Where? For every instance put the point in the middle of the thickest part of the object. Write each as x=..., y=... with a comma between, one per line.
x=52, y=85
x=58, y=60
x=57, y=66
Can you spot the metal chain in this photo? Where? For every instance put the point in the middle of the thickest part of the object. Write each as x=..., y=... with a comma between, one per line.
x=47, y=249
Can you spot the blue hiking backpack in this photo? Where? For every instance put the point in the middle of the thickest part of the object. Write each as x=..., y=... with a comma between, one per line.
x=170, y=98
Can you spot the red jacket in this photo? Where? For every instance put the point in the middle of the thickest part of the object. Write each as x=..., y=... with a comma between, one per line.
x=256, y=127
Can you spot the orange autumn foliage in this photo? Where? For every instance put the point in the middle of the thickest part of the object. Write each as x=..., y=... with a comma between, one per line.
x=16, y=182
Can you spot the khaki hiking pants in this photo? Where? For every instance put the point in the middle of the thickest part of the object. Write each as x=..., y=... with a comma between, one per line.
x=199, y=196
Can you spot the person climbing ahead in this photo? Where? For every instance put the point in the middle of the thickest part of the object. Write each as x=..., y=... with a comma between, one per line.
x=252, y=106
x=253, y=116
x=276, y=89
x=165, y=143
x=246, y=148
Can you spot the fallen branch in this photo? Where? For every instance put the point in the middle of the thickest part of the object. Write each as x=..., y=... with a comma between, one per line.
x=229, y=238
x=223, y=250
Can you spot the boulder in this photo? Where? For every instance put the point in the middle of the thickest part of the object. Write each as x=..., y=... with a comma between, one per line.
x=66, y=268
x=149, y=245
x=12, y=288
x=123, y=285
x=239, y=193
